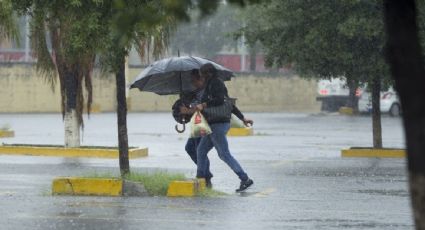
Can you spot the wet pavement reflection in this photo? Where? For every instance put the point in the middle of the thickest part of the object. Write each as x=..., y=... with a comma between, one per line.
x=300, y=180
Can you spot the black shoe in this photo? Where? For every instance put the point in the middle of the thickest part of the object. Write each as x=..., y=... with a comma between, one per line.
x=244, y=185
x=208, y=183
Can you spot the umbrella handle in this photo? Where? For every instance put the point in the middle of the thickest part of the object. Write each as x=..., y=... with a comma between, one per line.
x=182, y=130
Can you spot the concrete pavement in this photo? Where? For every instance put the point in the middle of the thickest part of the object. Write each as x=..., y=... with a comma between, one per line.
x=301, y=182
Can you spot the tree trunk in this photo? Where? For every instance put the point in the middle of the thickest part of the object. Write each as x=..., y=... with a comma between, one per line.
x=353, y=100
x=253, y=58
x=122, y=119
x=376, y=112
x=72, y=128
x=404, y=54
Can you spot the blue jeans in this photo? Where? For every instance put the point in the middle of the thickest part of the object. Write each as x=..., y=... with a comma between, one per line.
x=191, y=146
x=218, y=140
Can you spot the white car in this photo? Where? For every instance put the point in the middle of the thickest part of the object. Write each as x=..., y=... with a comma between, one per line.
x=333, y=94
x=389, y=101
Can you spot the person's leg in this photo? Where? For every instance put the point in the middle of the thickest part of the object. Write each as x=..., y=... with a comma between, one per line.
x=219, y=140
x=209, y=175
x=190, y=148
x=205, y=145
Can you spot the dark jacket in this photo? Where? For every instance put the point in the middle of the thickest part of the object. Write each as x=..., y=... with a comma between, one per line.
x=215, y=92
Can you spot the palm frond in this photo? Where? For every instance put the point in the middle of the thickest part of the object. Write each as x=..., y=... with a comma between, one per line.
x=45, y=65
x=8, y=22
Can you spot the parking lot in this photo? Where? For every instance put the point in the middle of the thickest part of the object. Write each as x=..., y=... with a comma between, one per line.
x=301, y=182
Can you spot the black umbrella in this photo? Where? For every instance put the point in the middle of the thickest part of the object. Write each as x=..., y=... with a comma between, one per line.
x=173, y=75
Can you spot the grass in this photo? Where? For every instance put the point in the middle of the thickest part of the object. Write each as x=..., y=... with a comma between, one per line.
x=156, y=183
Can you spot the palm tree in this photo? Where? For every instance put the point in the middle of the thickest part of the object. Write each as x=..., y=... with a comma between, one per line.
x=70, y=28
x=8, y=22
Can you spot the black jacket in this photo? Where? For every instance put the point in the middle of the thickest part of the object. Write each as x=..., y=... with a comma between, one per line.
x=215, y=92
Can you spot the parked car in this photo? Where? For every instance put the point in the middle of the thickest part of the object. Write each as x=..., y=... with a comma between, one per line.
x=389, y=101
x=333, y=94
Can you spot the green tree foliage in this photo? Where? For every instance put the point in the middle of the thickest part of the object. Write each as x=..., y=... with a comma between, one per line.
x=8, y=21
x=76, y=30
x=322, y=39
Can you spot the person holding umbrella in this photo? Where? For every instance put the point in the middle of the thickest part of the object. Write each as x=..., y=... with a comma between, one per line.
x=214, y=94
x=196, y=98
x=173, y=76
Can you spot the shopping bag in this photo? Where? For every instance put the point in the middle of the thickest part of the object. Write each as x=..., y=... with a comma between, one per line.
x=199, y=126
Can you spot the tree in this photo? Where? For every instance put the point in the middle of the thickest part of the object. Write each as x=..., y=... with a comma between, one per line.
x=80, y=30
x=8, y=24
x=405, y=55
x=325, y=39
x=133, y=23
x=76, y=30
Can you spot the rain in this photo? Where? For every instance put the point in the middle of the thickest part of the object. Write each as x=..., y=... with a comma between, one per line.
x=327, y=148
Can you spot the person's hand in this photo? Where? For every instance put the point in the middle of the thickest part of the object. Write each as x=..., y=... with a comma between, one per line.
x=248, y=122
x=184, y=110
x=200, y=107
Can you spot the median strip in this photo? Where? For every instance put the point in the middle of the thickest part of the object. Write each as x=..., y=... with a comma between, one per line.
x=87, y=186
x=240, y=131
x=371, y=152
x=6, y=133
x=60, y=151
x=135, y=184
x=186, y=188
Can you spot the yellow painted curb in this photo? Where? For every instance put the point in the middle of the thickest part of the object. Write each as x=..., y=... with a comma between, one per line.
x=7, y=133
x=187, y=188
x=365, y=152
x=240, y=132
x=70, y=152
x=94, y=108
x=87, y=186
x=346, y=111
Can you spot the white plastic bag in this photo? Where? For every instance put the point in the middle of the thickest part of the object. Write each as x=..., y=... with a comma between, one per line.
x=199, y=126
x=235, y=122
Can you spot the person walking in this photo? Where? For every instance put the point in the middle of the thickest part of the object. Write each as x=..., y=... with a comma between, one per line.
x=214, y=94
x=195, y=98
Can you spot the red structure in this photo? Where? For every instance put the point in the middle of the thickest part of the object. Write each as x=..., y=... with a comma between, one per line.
x=233, y=62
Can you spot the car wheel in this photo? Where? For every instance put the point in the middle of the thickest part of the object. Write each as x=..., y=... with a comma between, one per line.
x=395, y=110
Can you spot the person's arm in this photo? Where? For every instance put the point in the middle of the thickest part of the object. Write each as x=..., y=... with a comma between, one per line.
x=238, y=113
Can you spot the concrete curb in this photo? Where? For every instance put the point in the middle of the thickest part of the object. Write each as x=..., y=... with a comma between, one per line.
x=346, y=111
x=82, y=186
x=240, y=132
x=370, y=152
x=7, y=133
x=188, y=188
x=95, y=108
x=70, y=152
x=87, y=186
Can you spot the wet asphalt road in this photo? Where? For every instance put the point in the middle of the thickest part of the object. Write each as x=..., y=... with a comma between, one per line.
x=301, y=182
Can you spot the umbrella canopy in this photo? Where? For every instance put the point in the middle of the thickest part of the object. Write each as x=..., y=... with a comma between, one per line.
x=173, y=75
